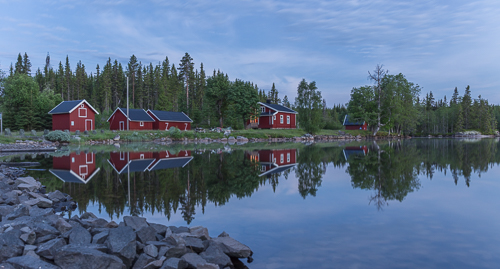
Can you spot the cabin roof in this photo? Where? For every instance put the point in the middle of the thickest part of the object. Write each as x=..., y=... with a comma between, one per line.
x=278, y=169
x=278, y=108
x=347, y=121
x=134, y=114
x=171, y=163
x=170, y=116
x=69, y=176
x=68, y=107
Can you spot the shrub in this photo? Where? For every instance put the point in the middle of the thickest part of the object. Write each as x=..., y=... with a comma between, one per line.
x=33, y=132
x=86, y=132
x=58, y=136
x=102, y=131
x=175, y=133
x=77, y=132
x=66, y=131
x=8, y=132
x=45, y=132
x=94, y=132
x=21, y=132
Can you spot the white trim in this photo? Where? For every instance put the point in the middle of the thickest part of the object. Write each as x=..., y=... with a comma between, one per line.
x=82, y=109
x=281, y=119
x=168, y=159
x=74, y=174
x=288, y=119
x=78, y=105
x=141, y=123
x=294, y=112
x=121, y=125
x=152, y=120
x=87, y=159
x=288, y=166
x=190, y=120
x=90, y=125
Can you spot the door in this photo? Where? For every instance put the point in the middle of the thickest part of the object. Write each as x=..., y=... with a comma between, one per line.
x=122, y=125
x=88, y=125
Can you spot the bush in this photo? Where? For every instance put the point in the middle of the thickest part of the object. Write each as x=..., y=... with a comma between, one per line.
x=77, y=132
x=86, y=132
x=58, y=136
x=21, y=132
x=102, y=131
x=94, y=132
x=33, y=132
x=8, y=132
x=174, y=133
x=45, y=132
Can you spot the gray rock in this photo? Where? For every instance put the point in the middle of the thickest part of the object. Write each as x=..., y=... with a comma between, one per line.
x=40, y=202
x=207, y=266
x=200, y=232
x=35, y=195
x=151, y=250
x=178, y=230
x=36, y=212
x=111, y=224
x=10, y=245
x=29, y=248
x=6, y=210
x=135, y=223
x=29, y=238
x=88, y=215
x=56, y=196
x=223, y=234
x=233, y=248
x=155, y=264
x=11, y=198
x=97, y=223
x=49, y=249
x=21, y=210
x=63, y=226
x=28, y=180
x=172, y=263
x=142, y=261
x=100, y=238
x=78, y=257
x=146, y=234
x=43, y=229
x=175, y=252
x=80, y=236
x=30, y=262
x=32, y=254
x=121, y=242
x=195, y=244
x=43, y=239
x=160, y=228
x=215, y=254
x=193, y=260
x=27, y=187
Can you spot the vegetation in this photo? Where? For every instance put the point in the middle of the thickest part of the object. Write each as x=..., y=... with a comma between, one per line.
x=308, y=105
x=58, y=136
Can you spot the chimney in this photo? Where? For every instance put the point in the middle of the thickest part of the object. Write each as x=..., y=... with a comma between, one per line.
x=268, y=101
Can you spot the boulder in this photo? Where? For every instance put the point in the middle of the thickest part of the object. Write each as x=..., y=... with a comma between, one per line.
x=178, y=230
x=192, y=260
x=78, y=257
x=46, y=238
x=160, y=229
x=28, y=248
x=151, y=250
x=142, y=261
x=43, y=229
x=21, y=210
x=155, y=264
x=88, y=215
x=233, y=248
x=195, y=244
x=135, y=223
x=29, y=237
x=56, y=196
x=172, y=263
x=50, y=248
x=40, y=202
x=36, y=212
x=207, y=266
x=63, y=226
x=121, y=242
x=146, y=234
x=100, y=238
x=28, y=180
x=215, y=254
x=6, y=210
x=80, y=236
x=10, y=244
x=30, y=262
x=200, y=232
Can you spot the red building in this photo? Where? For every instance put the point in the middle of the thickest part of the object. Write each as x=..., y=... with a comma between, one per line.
x=273, y=116
x=166, y=160
x=273, y=161
x=358, y=125
x=73, y=115
x=148, y=161
x=165, y=120
x=138, y=120
x=75, y=168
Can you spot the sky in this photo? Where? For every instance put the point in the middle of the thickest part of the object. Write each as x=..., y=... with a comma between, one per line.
x=436, y=44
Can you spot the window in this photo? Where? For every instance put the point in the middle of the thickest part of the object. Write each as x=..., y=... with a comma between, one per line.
x=282, y=158
x=274, y=117
x=262, y=109
x=288, y=157
x=72, y=123
x=287, y=119
x=82, y=112
x=141, y=123
x=72, y=159
x=281, y=119
x=141, y=156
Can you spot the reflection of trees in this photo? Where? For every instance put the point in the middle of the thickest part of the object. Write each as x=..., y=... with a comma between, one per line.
x=310, y=170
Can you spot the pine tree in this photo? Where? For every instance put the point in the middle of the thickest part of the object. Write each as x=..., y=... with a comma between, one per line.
x=19, y=65
x=466, y=107
x=26, y=65
x=67, y=78
x=186, y=75
x=459, y=125
x=286, y=103
x=132, y=68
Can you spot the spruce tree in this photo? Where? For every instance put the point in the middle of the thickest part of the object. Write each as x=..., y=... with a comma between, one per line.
x=459, y=125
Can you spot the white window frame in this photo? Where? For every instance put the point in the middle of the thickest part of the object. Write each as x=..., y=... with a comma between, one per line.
x=141, y=156
x=281, y=119
x=86, y=125
x=87, y=161
x=185, y=126
x=82, y=174
x=72, y=123
x=80, y=110
x=72, y=159
x=282, y=158
x=121, y=125
x=262, y=109
x=288, y=157
x=287, y=119
x=122, y=156
x=274, y=117
x=141, y=123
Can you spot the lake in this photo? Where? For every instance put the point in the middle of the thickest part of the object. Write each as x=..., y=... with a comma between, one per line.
x=417, y=203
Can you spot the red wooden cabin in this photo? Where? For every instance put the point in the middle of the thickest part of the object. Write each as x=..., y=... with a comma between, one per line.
x=75, y=168
x=148, y=161
x=138, y=120
x=354, y=125
x=274, y=161
x=73, y=115
x=273, y=116
x=165, y=120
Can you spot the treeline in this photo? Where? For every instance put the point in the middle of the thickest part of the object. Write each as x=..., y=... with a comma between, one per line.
x=208, y=100
x=393, y=104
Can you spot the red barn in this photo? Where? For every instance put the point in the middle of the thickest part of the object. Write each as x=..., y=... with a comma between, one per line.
x=273, y=116
x=75, y=168
x=165, y=120
x=274, y=161
x=358, y=125
x=138, y=120
x=73, y=115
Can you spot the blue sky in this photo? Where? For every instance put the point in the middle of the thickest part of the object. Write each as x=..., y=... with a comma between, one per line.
x=437, y=44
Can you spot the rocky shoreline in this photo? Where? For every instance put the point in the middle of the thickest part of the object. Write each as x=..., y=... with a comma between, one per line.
x=35, y=234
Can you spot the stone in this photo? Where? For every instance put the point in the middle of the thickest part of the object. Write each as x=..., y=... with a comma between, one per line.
x=56, y=196
x=200, y=232
x=35, y=195
x=146, y=234
x=193, y=260
x=195, y=244
x=207, y=266
x=40, y=202
x=63, y=226
x=29, y=248
x=75, y=257
x=175, y=252
x=30, y=262
x=6, y=210
x=142, y=261
x=43, y=229
x=11, y=198
x=97, y=223
x=172, y=263
x=49, y=249
x=111, y=224
x=160, y=228
x=10, y=244
x=36, y=212
x=21, y=210
x=88, y=215
x=233, y=248
x=100, y=238
x=80, y=236
x=32, y=254
x=29, y=238
x=155, y=264
x=43, y=239
x=178, y=230
x=121, y=242
x=28, y=180
x=27, y=187
x=223, y=234
x=151, y=250
x=135, y=223
x=215, y=254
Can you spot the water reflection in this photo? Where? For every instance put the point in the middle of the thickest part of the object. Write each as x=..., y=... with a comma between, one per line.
x=75, y=168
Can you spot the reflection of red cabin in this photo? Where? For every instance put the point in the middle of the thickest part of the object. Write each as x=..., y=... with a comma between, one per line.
x=273, y=116
x=350, y=152
x=358, y=125
x=77, y=168
x=73, y=115
x=165, y=120
x=138, y=120
x=274, y=161
x=148, y=161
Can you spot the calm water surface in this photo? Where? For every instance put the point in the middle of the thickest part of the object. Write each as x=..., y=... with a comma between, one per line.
x=421, y=203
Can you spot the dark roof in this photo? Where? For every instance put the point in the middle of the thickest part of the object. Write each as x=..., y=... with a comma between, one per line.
x=349, y=153
x=347, y=121
x=69, y=106
x=266, y=114
x=69, y=176
x=137, y=114
x=279, y=108
x=139, y=165
x=278, y=169
x=170, y=116
x=171, y=163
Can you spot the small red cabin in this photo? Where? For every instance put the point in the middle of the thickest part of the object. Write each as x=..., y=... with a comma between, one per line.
x=148, y=161
x=138, y=120
x=274, y=161
x=73, y=115
x=358, y=125
x=165, y=120
x=273, y=116
x=75, y=168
